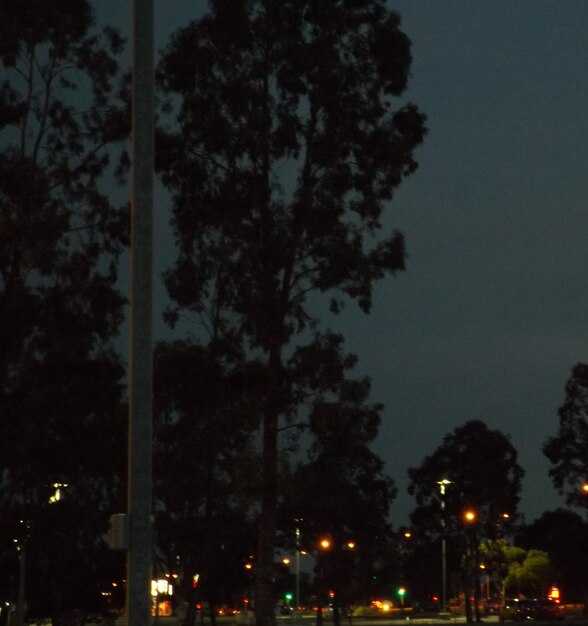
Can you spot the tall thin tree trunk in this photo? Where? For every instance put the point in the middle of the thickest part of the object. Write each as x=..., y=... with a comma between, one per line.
x=264, y=600
x=264, y=580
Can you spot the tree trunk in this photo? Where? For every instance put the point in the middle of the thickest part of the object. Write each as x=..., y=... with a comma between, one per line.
x=212, y=612
x=264, y=580
x=477, y=594
x=190, y=617
x=467, y=587
x=264, y=587
x=336, y=611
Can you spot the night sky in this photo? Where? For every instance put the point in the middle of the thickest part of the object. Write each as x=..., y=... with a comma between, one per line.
x=491, y=314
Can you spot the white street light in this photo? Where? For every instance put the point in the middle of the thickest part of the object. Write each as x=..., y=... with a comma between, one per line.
x=297, y=541
x=443, y=483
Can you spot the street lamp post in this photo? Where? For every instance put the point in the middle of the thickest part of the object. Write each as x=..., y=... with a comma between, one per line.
x=442, y=485
x=297, y=541
x=22, y=558
x=470, y=519
x=324, y=562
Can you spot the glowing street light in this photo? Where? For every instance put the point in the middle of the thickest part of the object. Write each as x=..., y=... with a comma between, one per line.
x=324, y=566
x=470, y=518
x=325, y=543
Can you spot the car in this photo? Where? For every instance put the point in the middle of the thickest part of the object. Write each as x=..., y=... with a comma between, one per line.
x=510, y=610
x=532, y=609
x=492, y=605
x=543, y=609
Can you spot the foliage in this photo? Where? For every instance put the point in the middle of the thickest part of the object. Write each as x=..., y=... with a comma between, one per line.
x=341, y=492
x=485, y=477
x=566, y=450
x=60, y=378
x=531, y=576
x=206, y=481
x=516, y=571
x=282, y=152
x=563, y=535
x=499, y=558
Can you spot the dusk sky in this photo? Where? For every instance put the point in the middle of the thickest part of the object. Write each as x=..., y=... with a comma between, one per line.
x=491, y=314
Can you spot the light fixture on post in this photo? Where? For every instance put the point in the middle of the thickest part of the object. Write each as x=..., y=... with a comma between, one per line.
x=297, y=541
x=470, y=520
x=443, y=483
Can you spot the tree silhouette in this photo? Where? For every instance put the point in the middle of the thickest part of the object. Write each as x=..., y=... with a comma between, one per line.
x=481, y=465
x=342, y=492
x=485, y=479
x=566, y=450
x=205, y=468
x=61, y=393
x=282, y=150
x=563, y=535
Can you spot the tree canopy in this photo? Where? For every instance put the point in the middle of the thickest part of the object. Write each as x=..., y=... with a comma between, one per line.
x=61, y=391
x=341, y=492
x=282, y=146
x=562, y=534
x=484, y=474
x=530, y=573
x=566, y=450
x=206, y=481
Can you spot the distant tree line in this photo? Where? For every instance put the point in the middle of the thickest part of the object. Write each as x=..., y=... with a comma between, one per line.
x=281, y=142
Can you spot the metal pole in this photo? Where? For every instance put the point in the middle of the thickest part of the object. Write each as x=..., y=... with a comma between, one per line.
x=297, y=533
x=444, y=573
x=140, y=348
x=442, y=484
x=22, y=559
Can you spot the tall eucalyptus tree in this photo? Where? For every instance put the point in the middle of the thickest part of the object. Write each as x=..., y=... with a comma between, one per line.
x=61, y=386
x=284, y=147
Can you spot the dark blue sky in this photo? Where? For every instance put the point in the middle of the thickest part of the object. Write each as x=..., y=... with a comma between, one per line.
x=491, y=314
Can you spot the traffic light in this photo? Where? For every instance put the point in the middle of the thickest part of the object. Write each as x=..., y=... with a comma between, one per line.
x=288, y=597
x=401, y=592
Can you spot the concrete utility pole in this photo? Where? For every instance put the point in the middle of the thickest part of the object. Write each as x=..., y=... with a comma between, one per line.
x=140, y=347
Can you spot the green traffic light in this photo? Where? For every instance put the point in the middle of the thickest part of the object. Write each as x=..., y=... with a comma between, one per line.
x=401, y=591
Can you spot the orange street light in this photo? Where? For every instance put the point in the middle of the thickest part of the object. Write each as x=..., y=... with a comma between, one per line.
x=585, y=487
x=470, y=516
x=325, y=544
